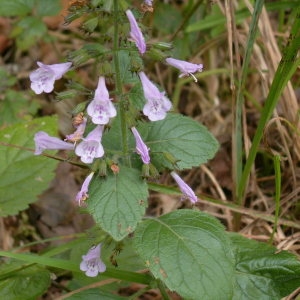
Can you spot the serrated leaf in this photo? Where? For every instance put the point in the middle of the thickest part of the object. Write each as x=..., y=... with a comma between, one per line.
x=10, y=8
x=189, y=251
x=125, y=63
x=186, y=140
x=23, y=175
x=262, y=272
x=26, y=284
x=15, y=106
x=136, y=96
x=118, y=202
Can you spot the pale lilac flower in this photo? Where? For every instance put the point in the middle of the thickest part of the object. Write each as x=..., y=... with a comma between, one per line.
x=141, y=147
x=77, y=135
x=91, y=146
x=91, y=262
x=101, y=108
x=148, y=2
x=42, y=79
x=186, y=68
x=136, y=33
x=157, y=103
x=187, y=192
x=45, y=142
x=82, y=195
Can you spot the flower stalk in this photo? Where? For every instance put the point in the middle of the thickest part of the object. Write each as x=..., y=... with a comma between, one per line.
x=118, y=82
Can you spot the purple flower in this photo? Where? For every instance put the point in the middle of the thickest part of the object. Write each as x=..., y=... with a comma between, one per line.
x=82, y=195
x=91, y=147
x=141, y=147
x=157, y=103
x=185, y=189
x=45, y=142
x=136, y=33
x=42, y=79
x=77, y=135
x=91, y=262
x=148, y=2
x=101, y=108
x=186, y=68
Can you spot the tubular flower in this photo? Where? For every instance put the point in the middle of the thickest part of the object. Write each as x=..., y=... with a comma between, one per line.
x=157, y=103
x=45, y=142
x=185, y=189
x=77, y=135
x=186, y=68
x=91, y=262
x=148, y=2
x=101, y=108
x=82, y=195
x=141, y=147
x=91, y=146
x=147, y=6
x=42, y=79
x=136, y=33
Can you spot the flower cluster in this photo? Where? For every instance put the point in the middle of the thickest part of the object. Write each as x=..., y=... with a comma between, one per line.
x=101, y=109
x=87, y=144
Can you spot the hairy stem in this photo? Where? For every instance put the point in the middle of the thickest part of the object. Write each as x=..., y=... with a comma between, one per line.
x=118, y=82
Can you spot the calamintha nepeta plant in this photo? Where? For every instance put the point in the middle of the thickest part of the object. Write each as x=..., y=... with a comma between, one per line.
x=126, y=137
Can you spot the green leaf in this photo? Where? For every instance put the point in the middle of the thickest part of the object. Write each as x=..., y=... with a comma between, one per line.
x=262, y=272
x=182, y=138
x=10, y=8
x=95, y=294
x=90, y=24
x=125, y=64
x=48, y=8
x=26, y=284
x=28, y=30
x=23, y=175
x=7, y=80
x=15, y=107
x=170, y=13
x=118, y=202
x=136, y=96
x=189, y=251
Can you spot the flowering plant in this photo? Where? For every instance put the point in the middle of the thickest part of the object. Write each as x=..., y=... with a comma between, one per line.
x=127, y=134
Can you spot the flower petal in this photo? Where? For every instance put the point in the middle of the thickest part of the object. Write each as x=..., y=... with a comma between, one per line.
x=185, y=189
x=136, y=33
x=45, y=142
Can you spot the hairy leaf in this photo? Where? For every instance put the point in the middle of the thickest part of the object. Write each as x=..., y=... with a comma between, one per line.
x=262, y=272
x=10, y=8
x=180, y=138
x=118, y=202
x=14, y=107
x=189, y=251
x=26, y=284
x=23, y=175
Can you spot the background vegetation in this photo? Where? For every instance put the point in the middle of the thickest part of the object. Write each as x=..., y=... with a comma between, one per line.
x=247, y=96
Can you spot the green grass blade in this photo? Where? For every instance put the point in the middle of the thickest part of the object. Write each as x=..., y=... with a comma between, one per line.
x=74, y=267
x=238, y=137
x=285, y=70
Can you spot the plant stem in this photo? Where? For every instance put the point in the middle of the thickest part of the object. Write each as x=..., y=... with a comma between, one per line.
x=277, y=194
x=118, y=82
